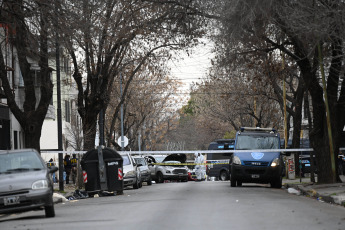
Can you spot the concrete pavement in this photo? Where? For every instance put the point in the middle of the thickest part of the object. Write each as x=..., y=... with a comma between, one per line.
x=331, y=193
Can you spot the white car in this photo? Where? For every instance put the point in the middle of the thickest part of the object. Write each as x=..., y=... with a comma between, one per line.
x=170, y=168
x=131, y=172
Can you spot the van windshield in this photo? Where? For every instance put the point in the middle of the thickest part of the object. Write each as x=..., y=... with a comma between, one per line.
x=257, y=142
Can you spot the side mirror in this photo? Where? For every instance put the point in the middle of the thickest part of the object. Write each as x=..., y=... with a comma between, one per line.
x=53, y=169
x=286, y=153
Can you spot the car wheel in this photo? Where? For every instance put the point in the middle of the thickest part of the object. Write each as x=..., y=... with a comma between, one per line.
x=136, y=184
x=149, y=182
x=49, y=210
x=160, y=178
x=223, y=175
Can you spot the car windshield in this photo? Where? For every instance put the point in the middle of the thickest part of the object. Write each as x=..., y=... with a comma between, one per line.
x=20, y=162
x=159, y=159
x=140, y=161
x=126, y=160
x=257, y=142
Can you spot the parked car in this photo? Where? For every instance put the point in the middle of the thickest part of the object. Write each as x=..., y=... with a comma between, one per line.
x=152, y=161
x=171, y=168
x=26, y=182
x=131, y=172
x=144, y=169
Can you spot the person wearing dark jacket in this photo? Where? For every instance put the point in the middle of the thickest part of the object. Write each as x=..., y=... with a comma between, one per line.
x=68, y=167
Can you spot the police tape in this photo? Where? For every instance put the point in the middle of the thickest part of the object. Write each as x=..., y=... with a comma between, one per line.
x=169, y=164
x=192, y=152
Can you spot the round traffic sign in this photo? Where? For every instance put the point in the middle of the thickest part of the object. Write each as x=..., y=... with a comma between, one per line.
x=125, y=141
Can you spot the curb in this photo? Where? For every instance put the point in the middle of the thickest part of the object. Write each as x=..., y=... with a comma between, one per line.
x=312, y=193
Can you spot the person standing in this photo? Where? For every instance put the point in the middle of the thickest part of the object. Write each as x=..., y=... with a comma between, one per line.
x=68, y=167
x=50, y=164
x=74, y=162
x=199, y=160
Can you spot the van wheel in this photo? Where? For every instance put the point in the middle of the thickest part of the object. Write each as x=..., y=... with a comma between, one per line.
x=160, y=178
x=223, y=175
x=239, y=183
x=277, y=183
x=233, y=183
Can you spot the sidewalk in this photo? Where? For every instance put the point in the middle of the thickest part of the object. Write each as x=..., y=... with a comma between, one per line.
x=330, y=193
x=60, y=197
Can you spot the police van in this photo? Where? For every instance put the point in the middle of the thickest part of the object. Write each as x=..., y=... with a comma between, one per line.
x=218, y=164
x=257, y=166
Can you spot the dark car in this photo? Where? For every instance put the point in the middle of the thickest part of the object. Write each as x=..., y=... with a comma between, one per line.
x=26, y=182
x=218, y=163
x=218, y=169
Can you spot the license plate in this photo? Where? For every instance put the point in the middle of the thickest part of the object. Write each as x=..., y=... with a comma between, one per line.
x=255, y=176
x=307, y=165
x=11, y=200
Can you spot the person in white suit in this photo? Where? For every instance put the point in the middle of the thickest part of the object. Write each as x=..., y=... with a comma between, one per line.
x=199, y=160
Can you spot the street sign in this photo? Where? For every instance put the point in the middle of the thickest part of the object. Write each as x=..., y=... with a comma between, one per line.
x=125, y=141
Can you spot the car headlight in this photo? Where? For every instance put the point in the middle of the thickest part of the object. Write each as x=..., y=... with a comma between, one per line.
x=236, y=160
x=130, y=174
x=40, y=184
x=275, y=162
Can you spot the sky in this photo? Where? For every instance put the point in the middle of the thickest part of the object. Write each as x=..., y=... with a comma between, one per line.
x=193, y=67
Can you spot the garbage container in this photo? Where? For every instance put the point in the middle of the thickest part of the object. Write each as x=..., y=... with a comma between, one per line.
x=113, y=163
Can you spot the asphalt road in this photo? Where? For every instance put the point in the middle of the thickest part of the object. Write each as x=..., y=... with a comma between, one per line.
x=192, y=205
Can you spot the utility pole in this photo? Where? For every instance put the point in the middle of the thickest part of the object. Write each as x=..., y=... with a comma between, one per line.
x=58, y=83
x=122, y=139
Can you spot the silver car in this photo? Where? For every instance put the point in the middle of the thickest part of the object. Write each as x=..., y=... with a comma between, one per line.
x=26, y=182
x=144, y=169
x=131, y=172
x=171, y=168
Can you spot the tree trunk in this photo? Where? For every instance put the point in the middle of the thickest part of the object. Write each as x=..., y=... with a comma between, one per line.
x=89, y=130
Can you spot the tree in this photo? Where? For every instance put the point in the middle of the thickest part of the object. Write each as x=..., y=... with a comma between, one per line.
x=114, y=36
x=297, y=29
x=30, y=26
x=148, y=98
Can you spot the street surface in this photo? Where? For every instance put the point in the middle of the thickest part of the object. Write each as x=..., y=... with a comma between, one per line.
x=192, y=205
